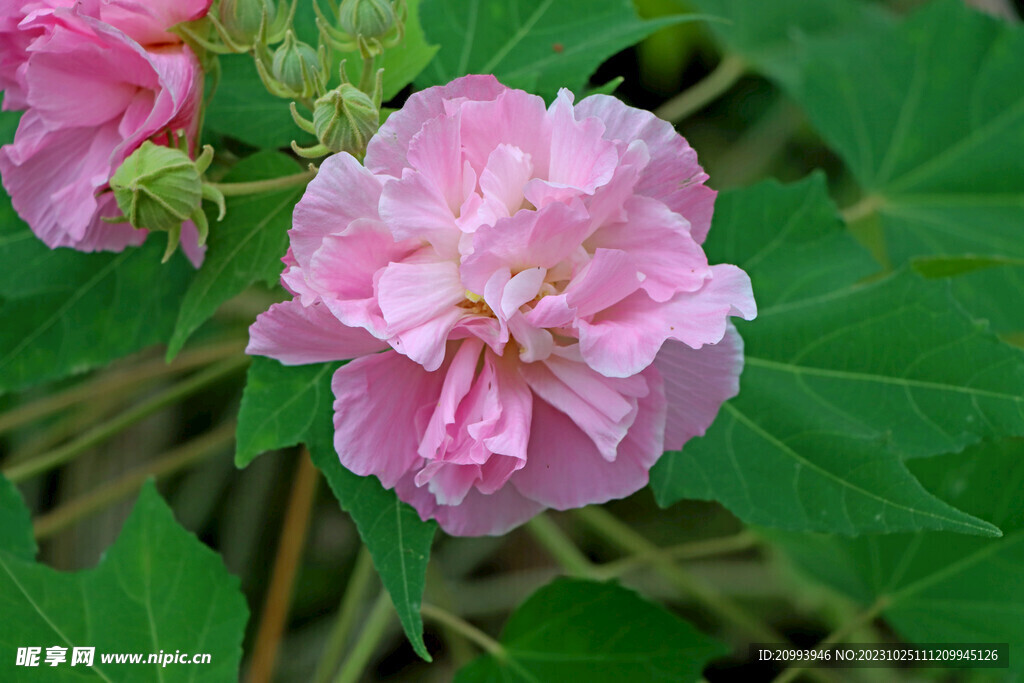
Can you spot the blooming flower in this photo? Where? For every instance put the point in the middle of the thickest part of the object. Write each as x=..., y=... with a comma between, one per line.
x=534, y=277
x=97, y=79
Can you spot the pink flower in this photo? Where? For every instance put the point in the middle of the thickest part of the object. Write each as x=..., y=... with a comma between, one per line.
x=534, y=276
x=97, y=78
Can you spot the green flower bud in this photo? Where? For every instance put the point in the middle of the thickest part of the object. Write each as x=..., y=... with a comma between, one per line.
x=158, y=188
x=296, y=66
x=345, y=119
x=241, y=18
x=366, y=18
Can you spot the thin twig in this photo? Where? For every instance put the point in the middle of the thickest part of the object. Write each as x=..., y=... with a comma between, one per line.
x=282, y=576
x=704, y=91
x=472, y=633
x=373, y=630
x=548, y=534
x=359, y=580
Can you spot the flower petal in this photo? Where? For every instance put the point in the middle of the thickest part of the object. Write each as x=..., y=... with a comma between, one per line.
x=295, y=334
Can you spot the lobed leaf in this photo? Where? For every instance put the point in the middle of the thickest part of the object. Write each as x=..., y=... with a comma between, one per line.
x=156, y=589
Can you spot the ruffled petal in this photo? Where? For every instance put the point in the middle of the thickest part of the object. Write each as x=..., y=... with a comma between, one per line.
x=295, y=334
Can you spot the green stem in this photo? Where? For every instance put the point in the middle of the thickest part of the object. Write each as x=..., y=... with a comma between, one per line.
x=113, y=383
x=204, y=446
x=373, y=630
x=366, y=77
x=101, y=433
x=621, y=535
x=686, y=551
x=862, y=209
x=838, y=636
x=358, y=582
x=554, y=540
x=472, y=633
x=701, y=93
x=269, y=185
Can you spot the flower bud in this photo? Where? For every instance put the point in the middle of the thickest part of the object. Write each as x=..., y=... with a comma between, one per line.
x=157, y=187
x=345, y=119
x=296, y=66
x=366, y=18
x=241, y=18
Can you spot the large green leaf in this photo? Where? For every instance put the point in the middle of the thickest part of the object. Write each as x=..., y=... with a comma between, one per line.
x=842, y=381
x=940, y=587
x=772, y=36
x=15, y=523
x=65, y=312
x=283, y=406
x=929, y=116
x=156, y=589
x=576, y=630
x=537, y=45
x=245, y=247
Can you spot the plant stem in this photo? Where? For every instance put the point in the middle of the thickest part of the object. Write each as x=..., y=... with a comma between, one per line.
x=204, y=446
x=286, y=565
x=704, y=91
x=686, y=551
x=115, y=381
x=366, y=77
x=101, y=433
x=554, y=540
x=373, y=630
x=625, y=538
x=472, y=633
x=838, y=636
x=862, y=209
x=269, y=185
x=358, y=582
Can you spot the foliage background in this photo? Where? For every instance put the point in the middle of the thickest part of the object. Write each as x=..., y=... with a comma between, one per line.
x=865, y=484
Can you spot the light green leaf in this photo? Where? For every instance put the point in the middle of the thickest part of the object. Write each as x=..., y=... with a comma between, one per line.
x=537, y=45
x=929, y=117
x=15, y=523
x=245, y=247
x=940, y=587
x=283, y=406
x=576, y=630
x=842, y=381
x=156, y=589
x=772, y=36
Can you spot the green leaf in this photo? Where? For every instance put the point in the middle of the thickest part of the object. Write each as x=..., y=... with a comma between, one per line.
x=772, y=36
x=283, y=406
x=929, y=117
x=245, y=247
x=15, y=523
x=940, y=587
x=537, y=45
x=156, y=589
x=66, y=312
x=577, y=630
x=842, y=381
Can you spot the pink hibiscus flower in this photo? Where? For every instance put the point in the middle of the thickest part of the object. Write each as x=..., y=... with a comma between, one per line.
x=96, y=79
x=534, y=277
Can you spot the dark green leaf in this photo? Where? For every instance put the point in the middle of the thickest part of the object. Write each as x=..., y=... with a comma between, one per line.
x=772, y=36
x=576, y=630
x=929, y=116
x=156, y=589
x=842, y=382
x=537, y=45
x=940, y=587
x=245, y=247
x=67, y=312
x=285, y=405
x=15, y=523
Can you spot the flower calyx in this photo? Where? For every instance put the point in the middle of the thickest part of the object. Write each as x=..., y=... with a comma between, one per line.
x=366, y=26
x=295, y=70
x=344, y=119
x=236, y=26
x=158, y=188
